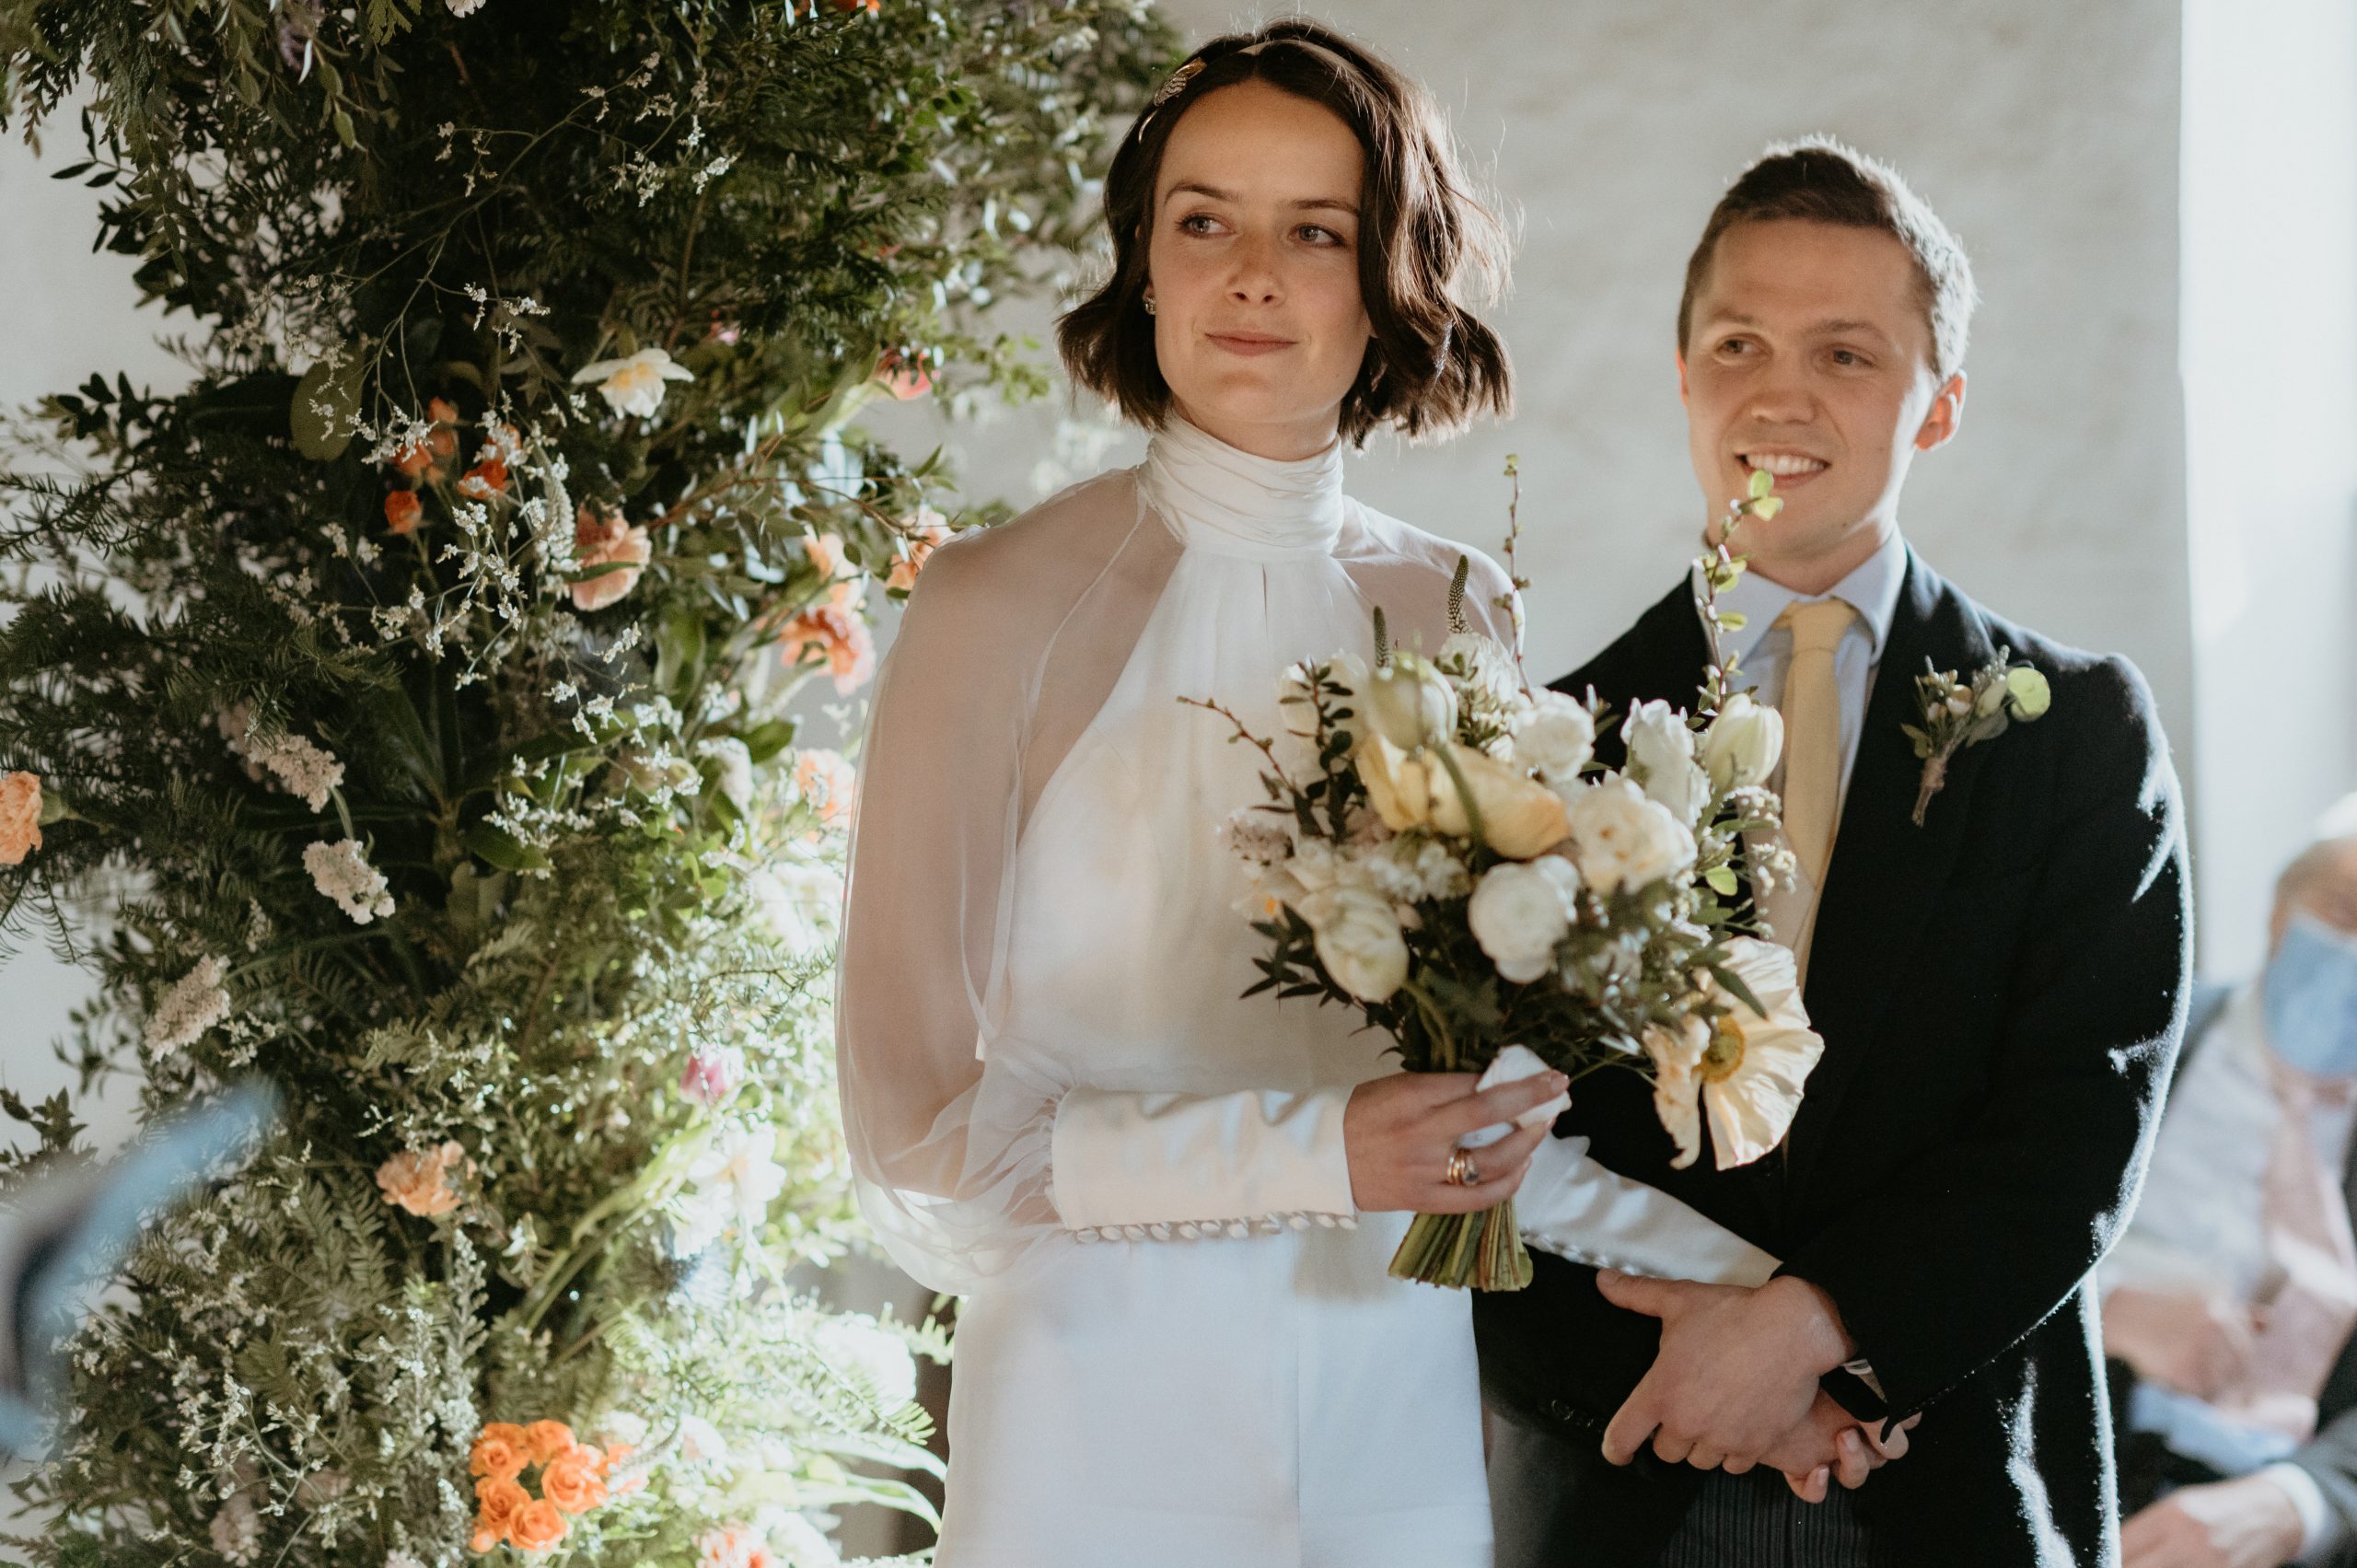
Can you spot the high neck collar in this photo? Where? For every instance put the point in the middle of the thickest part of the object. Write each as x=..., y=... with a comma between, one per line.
x=1222, y=499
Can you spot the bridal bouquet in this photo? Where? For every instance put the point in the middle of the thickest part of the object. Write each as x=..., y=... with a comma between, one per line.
x=1441, y=851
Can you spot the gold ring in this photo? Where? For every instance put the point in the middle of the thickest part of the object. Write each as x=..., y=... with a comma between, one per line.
x=1462, y=1171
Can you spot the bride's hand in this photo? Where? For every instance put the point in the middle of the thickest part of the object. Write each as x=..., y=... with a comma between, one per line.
x=1401, y=1130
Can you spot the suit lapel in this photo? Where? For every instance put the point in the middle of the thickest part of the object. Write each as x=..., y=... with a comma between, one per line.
x=1885, y=873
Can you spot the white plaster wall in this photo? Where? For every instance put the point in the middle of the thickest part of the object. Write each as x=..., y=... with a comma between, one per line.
x=2271, y=368
x=2045, y=135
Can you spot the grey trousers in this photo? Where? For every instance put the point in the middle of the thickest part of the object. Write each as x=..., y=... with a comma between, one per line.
x=1543, y=1491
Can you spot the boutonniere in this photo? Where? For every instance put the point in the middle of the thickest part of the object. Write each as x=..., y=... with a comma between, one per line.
x=1959, y=713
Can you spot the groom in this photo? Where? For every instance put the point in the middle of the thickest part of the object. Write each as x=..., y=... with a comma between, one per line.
x=2000, y=990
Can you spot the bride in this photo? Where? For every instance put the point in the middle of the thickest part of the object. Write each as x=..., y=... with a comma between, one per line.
x=1171, y=1209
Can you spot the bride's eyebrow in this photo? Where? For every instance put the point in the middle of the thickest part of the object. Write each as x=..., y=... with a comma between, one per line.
x=1312, y=204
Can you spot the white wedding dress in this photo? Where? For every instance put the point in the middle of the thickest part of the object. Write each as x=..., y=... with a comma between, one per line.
x=1181, y=1347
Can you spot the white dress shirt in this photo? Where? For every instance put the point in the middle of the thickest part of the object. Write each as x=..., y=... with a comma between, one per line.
x=2200, y=1225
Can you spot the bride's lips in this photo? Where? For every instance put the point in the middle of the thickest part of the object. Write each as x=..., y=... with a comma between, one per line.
x=1249, y=343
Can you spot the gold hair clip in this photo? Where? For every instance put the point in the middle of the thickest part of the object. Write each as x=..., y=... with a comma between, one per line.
x=1171, y=88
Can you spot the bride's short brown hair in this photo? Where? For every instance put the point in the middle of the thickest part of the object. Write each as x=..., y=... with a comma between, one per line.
x=1423, y=236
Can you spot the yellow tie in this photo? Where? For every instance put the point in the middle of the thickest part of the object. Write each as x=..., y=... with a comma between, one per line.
x=1812, y=710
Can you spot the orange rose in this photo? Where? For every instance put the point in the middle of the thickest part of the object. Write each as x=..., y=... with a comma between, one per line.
x=904, y=375
x=507, y=1432
x=440, y=412
x=926, y=535
x=571, y=1483
x=413, y=459
x=538, y=1528
x=485, y=480
x=497, y=1458
x=498, y=1505
x=19, y=816
x=402, y=510
x=418, y=1179
x=544, y=1440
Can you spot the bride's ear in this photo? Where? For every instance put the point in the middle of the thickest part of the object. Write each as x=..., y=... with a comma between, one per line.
x=1680, y=357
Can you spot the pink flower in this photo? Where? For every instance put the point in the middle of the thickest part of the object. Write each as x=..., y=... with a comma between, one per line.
x=905, y=375
x=711, y=1077
x=601, y=540
x=733, y=1546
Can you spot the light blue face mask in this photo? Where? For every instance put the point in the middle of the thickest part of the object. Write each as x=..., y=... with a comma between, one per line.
x=2311, y=994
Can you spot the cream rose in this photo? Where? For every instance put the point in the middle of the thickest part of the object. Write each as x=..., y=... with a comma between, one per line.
x=1520, y=912
x=1359, y=940
x=1621, y=839
x=1741, y=745
x=1557, y=740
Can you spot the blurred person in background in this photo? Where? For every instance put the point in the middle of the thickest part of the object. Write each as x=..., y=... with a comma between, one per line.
x=2230, y=1305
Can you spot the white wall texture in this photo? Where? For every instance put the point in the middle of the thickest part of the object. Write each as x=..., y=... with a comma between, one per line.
x=2270, y=366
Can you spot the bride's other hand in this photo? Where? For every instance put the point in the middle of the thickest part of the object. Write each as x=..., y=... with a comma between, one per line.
x=1401, y=1130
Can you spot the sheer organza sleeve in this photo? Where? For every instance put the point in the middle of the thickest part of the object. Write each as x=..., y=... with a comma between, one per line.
x=973, y=1147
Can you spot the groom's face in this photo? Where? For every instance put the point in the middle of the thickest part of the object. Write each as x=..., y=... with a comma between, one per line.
x=1810, y=357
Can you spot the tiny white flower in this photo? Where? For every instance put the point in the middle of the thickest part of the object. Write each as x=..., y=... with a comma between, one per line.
x=635, y=385
x=340, y=871
x=193, y=1004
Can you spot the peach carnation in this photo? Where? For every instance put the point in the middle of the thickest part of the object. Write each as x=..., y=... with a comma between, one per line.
x=418, y=1179
x=538, y=1528
x=828, y=782
x=928, y=531
x=835, y=634
x=603, y=539
x=402, y=510
x=19, y=816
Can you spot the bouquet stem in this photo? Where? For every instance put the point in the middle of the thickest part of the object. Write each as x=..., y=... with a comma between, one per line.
x=1483, y=1251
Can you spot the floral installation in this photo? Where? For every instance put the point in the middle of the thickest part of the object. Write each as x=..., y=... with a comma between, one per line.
x=1952, y=714
x=1442, y=852
x=433, y=708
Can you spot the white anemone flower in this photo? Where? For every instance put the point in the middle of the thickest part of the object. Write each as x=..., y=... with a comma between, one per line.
x=1743, y=1068
x=634, y=385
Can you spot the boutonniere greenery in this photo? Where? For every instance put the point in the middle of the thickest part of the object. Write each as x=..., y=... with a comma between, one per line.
x=1958, y=713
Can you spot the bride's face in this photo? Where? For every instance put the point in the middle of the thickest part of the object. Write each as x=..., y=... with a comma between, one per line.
x=1258, y=325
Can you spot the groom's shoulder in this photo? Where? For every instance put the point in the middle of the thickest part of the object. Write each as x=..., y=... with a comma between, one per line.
x=2109, y=722
x=1662, y=644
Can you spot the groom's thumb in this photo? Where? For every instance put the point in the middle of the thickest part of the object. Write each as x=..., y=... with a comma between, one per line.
x=1631, y=1294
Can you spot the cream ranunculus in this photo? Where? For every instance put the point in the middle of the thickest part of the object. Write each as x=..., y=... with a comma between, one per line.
x=1741, y=745
x=1408, y=703
x=1520, y=817
x=1744, y=1069
x=1520, y=912
x=634, y=385
x=1557, y=740
x=1621, y=839
x=1359, y=940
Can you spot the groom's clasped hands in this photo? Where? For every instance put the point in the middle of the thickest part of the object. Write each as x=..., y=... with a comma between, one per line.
x=1734, y=1385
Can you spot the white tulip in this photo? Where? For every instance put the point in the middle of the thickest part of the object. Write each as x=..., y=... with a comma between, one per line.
x=1408, y=703
x=1741, y=745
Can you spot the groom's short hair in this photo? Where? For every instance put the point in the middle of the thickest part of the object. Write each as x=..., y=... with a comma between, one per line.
x=1819, y=179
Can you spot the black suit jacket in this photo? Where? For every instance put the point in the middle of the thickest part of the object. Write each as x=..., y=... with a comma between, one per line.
x=2001, y=993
